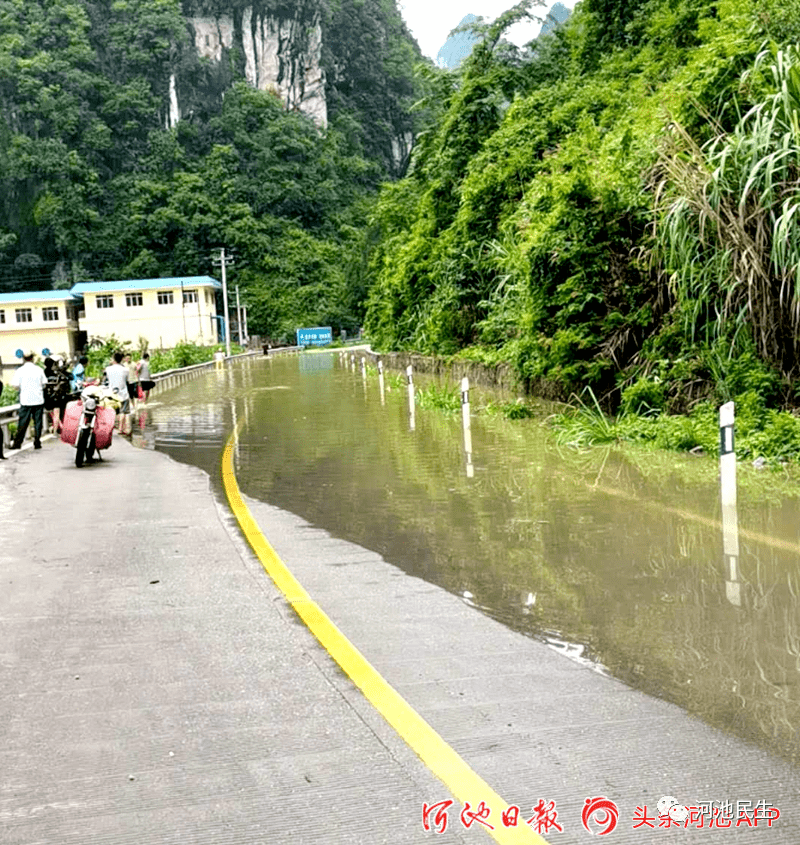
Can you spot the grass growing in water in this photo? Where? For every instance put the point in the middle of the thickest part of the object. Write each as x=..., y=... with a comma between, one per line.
x=760, y=432
x=516, y=410
x=440, y=398
x=584, y=424
x=447, y=398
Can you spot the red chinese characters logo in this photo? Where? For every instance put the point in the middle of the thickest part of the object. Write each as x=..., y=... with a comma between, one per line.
x=481, y=813
x=545, y=817
x=600, y=813
x=440, y=817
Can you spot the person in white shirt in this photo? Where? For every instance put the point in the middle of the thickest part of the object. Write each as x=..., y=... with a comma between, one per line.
x=117, y=376
x=30, y=381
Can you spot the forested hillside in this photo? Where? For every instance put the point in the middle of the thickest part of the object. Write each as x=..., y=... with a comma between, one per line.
x=616, y=207
x=94, y=186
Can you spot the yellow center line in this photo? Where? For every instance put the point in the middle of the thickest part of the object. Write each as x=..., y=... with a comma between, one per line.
x=466, y=786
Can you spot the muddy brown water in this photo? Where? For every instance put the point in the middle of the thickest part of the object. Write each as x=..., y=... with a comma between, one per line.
x=612, y=557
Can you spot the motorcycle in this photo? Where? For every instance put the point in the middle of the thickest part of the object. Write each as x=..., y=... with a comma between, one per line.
x=89, y=422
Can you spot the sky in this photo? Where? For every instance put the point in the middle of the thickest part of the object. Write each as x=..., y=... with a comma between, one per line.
x=430, y=21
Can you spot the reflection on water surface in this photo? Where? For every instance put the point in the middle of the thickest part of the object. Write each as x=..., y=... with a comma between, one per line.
x=615, y=563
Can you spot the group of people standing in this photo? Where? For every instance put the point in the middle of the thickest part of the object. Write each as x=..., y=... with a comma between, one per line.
x=50, y=389
x=133, y=382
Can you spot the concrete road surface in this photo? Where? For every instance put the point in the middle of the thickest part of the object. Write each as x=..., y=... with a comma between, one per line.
x=157, y=688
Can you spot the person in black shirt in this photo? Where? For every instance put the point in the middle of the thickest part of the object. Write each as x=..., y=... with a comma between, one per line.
x=56, y=392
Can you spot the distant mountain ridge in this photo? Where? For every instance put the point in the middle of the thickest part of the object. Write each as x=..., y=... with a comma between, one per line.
x=555, y=17
x=459, y=45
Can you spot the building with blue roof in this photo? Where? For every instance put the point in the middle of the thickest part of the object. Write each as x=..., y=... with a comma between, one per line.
x=157, y=312
x=44, y=322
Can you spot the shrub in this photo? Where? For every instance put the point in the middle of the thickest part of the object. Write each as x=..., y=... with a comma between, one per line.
x=101, y=351
x=643, y=397
x=10, y=395
x=184, y=355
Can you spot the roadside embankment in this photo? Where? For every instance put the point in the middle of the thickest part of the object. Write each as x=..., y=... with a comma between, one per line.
x=765, y=435
x=500, y=376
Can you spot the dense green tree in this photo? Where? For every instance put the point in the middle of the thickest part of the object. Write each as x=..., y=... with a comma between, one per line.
x=94, y=184
x=369, y=58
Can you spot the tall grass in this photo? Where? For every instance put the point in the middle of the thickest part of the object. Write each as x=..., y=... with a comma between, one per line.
x=439, y=397
x=728, y=215
x=584, y=423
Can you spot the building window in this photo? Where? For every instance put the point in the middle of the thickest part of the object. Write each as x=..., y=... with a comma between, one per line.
x=24, y=315
x=133, y=299
x=165, y=297
x=49, y=314
x=189, y=296
x=105, y=300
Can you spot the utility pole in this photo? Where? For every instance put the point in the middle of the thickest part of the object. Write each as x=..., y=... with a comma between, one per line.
x=239, y=316
x=183, y=311
x=223, y=262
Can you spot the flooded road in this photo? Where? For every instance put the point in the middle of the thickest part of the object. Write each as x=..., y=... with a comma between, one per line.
x=614, y=559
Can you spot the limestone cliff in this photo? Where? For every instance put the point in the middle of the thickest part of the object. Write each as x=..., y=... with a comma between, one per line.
x=351, y=60
x=275, y=51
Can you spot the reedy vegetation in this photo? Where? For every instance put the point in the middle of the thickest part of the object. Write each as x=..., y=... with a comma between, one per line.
x=729, y=217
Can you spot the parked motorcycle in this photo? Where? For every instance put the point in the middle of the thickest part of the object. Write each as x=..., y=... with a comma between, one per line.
x=89, y=422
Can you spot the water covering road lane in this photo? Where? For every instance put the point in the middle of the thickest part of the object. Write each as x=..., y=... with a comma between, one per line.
x=597, y=554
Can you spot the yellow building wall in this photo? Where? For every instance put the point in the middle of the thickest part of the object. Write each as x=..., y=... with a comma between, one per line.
x=59, y=336
x=161, y=325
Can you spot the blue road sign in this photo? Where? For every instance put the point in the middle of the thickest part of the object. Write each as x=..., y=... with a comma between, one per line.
x=314, y=337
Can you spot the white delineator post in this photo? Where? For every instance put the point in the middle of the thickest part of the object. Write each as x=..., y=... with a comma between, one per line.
x=410, y=377
x=465, y=419
x=730, y=518
x=364, y=376
x=380, y=382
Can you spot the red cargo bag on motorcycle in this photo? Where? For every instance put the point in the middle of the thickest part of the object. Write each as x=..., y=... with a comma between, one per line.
x=103, y=427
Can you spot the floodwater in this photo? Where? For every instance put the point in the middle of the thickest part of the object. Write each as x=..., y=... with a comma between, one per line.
x=615, y=558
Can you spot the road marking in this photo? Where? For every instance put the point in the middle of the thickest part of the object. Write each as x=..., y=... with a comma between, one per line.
x=465, y=785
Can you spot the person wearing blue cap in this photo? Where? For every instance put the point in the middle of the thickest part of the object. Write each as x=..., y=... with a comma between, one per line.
x=30, y=381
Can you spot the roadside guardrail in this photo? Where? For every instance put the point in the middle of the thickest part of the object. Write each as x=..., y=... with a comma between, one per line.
x=9, y=414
